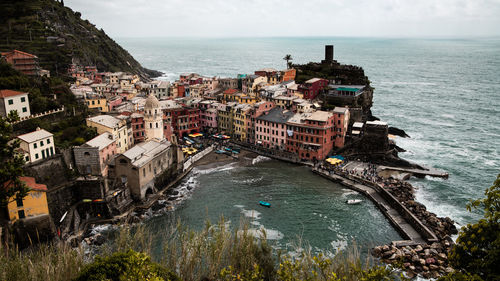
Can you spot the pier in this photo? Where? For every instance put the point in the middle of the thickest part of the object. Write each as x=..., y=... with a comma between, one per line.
x=418, y=172
x=410, y=227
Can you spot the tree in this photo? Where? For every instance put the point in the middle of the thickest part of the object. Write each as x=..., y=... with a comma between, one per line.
x=12, y=163
x=477, y=252
x=288, y=58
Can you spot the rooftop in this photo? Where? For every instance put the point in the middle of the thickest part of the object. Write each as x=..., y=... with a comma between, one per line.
x=105, y=120
x=101, y=141
x=143, y=153
x=10, y=93
x=313, y=80
x=34, y=136
x=340, y=110
x=277, y=115
x=319, y=116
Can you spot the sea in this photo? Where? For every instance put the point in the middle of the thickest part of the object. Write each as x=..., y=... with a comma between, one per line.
x=445, y=93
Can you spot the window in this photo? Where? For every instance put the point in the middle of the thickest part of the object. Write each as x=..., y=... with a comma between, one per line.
x=19, y=202
x=34, y=145
x=25, y=109
x=23, y=99
x=144, y=172
x=27, y=159
x=36, y=155
x=21, y=215
x=11, y=102
x=43, y=154
x=48, y=141
x=41, y=143
x=51, y=151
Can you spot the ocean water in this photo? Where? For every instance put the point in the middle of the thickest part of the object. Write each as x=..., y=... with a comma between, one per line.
x=445, y=93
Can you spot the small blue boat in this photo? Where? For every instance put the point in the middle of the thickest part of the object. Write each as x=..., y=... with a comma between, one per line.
x=265, y=204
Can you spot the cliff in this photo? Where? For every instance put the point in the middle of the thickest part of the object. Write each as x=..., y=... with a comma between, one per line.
x=59, y=36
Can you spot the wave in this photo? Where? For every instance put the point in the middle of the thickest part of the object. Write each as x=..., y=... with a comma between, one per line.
x=223, y=168
x=248, y=181
x=259, y=159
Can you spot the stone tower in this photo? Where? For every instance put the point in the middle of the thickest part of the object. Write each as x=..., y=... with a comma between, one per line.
x=328, y=54
x=153, y=118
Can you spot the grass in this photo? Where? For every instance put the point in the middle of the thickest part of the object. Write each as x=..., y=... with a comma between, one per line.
x=213, y=253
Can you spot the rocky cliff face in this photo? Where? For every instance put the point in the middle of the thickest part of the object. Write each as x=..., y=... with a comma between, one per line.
x=59, y=36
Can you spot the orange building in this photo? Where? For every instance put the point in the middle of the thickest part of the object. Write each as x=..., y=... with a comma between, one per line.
x=34, y=204
x=288, y=75
x=23, y=62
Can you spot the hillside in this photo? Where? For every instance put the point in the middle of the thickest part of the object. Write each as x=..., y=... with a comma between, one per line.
x=59, y=36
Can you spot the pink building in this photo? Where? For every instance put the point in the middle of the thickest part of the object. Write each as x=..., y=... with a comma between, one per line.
x=114, y=102
x=341, y=119
x=138, y=131
x=257, y=110
x=312, y=87
x=208, y=114
x=92, y=157
x=270, y=128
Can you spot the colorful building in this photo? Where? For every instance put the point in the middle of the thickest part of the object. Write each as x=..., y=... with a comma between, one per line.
x=240, y=129
x=96, y=101
x=33, y=205
x=23, y=62
x=270, y=128
x=312, y=87
x=311, y=135
x=117, y=127
x=138, y=131
x=92, y=157
x=257, y=110
x=341, y=119
x=288, y=74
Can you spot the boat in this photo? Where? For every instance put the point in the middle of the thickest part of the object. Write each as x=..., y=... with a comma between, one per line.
x=265, y=204
x=354, y=201
x=220, y=151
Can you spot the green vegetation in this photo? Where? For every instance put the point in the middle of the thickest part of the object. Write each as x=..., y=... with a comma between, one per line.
x=477, y=252
x=288, y=58
x=214, y=253
x=340, y=73
x=11, y=168
x=58, y=36
x=125, y=266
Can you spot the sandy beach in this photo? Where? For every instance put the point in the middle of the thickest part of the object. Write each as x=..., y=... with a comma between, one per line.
x=213, y=159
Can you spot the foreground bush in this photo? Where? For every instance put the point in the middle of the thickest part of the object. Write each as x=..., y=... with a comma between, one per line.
x=125, y=266
x=214, y=253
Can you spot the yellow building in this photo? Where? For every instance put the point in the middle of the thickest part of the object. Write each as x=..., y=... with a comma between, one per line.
x=239, y=113
x=116, y=126
x=34, y=204
x=96, y=101
x=247, y=99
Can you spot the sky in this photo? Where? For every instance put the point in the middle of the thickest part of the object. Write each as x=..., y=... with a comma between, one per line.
x=273, y=18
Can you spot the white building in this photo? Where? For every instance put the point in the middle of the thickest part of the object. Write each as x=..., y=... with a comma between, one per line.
x=37, y=145
x=14, y=101
x=117, y=127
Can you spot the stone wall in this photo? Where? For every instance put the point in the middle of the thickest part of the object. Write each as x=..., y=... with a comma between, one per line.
x=52, y=171
x=87, y=160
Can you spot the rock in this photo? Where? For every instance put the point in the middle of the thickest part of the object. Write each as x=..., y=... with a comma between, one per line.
x=442, y=256
x=419, y=248
x=436, y=245
x=412, y=268
x=415, y=258
x=406, y=264
x=377, y=251
x=433, y=267
x=433, y=252
x=99, y=240
x=393, y=257
x=410, y=275
x=385, y=248
x=427, y=252
x=421, y=261
x=425, y=268
x=435, y=275
x=387, y=254
x=426, y=275
x=430, y=261
x=449, y=270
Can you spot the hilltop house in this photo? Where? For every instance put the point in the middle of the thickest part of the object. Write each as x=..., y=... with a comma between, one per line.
x=14, y=101
x=37, y=145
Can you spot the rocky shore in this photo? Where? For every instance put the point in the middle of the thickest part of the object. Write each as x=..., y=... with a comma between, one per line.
x=427, y=260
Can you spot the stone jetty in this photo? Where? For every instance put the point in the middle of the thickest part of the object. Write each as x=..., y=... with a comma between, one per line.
x=428, y=241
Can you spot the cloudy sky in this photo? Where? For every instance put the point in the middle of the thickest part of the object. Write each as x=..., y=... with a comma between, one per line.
x=236, y=18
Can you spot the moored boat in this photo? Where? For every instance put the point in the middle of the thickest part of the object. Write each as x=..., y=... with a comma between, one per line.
x=265, y=204
x=354, y=201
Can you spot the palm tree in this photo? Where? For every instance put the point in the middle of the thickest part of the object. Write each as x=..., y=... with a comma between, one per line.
x=288, y=58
